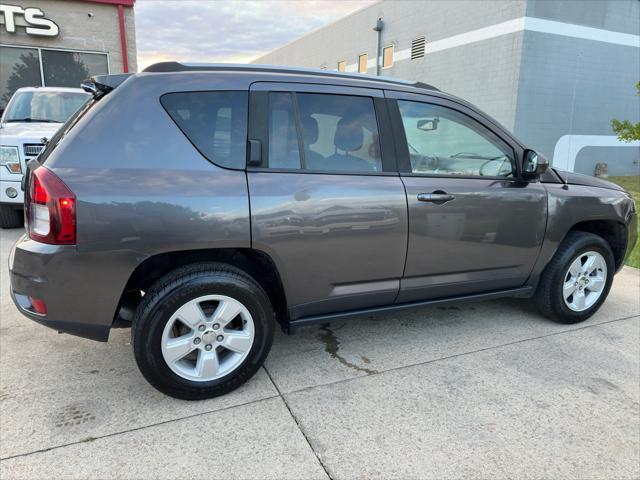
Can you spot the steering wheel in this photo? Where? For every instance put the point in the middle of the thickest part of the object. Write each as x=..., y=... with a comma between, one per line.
x=502, y=159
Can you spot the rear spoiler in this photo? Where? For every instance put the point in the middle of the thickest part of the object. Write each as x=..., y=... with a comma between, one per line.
x=100, y=85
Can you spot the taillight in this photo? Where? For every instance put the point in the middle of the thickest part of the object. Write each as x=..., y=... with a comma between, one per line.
x=51, y=209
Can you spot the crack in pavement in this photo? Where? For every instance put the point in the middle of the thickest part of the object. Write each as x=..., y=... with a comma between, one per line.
x=295, y=419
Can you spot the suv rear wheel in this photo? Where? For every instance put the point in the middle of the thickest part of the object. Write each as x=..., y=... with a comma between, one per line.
x=10, y=217
x=202, y=331
x=577, y=280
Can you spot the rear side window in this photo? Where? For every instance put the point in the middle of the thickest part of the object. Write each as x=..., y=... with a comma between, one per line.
x=215, y=122
x=335, y=133
x=283, y=137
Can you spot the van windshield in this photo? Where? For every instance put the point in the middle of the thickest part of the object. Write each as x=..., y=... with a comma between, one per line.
x=44, y=106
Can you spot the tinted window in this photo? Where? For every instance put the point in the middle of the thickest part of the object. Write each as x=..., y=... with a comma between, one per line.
x=19, y=67
x=283, y=137
x=444, y=141
x=339, y=133
x=215, y=122
x=70, y=69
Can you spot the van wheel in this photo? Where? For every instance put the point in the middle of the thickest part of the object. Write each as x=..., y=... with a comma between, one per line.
x=10, y=217
x=202, y=331
x=577, y=280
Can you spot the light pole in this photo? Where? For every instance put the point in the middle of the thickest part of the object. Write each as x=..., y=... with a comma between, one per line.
x=378, y=29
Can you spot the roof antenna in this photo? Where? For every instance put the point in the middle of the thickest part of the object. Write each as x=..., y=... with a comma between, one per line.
x=565, y=182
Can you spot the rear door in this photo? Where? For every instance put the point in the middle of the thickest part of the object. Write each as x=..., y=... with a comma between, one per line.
x=327, y=204
x=474, y=227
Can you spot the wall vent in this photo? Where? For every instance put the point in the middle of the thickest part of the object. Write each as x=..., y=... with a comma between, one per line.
x=417, y=48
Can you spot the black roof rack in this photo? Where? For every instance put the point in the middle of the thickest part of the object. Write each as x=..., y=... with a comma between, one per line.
x=210, y=67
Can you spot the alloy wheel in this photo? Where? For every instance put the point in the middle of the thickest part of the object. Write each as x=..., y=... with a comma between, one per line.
x=584, y=281
x=207, y=338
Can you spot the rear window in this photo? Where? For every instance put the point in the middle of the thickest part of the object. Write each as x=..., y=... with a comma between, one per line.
x=214, y=122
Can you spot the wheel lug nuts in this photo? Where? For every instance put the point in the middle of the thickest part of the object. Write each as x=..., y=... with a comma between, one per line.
x=201, y=328
x=207, y=347
x=196, y=341
x=216, y=326
x=219, y=338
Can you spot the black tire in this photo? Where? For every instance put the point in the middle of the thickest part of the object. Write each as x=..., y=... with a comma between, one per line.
x=174, y=290
x=10, y=217
x=549, y=298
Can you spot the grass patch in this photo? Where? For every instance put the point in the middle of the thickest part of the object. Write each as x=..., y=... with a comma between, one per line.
x=632, y=185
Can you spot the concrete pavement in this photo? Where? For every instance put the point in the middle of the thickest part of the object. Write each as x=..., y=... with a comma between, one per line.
x=485, y=390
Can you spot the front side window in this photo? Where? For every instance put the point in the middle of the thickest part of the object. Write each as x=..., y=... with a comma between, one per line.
x=337, y=133
x=446, y=142
x=215, y=122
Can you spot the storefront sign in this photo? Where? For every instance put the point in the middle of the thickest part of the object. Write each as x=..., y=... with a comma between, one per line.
x=36, y=24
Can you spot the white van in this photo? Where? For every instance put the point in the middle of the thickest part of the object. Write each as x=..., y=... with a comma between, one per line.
x=33, y=115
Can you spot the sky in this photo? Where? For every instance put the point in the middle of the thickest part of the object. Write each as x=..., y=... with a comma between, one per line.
x=228, y=30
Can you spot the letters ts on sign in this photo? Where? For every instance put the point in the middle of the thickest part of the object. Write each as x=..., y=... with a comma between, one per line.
x=36, y=24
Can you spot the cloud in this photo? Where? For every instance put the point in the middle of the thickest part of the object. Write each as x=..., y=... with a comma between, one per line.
x=227, y=31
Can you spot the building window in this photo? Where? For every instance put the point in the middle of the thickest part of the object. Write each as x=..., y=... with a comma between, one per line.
x=387, y=56
x=417, y=48
x=342, y=66
x=70, y=69
x=362, y=63
x=19, y=67
x=37, y=67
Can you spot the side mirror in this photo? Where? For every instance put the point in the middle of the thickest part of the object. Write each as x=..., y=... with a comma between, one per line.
x=428, y=124
x=534, y=164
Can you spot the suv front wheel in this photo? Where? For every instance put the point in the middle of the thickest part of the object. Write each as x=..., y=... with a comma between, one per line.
x=577, y=280
x=202, y=331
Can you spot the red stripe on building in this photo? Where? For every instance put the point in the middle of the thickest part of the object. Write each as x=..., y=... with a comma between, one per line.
x=123, y=39
x=125, y=3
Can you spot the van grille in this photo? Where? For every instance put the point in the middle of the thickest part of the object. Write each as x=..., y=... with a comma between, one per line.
x=32, y=149
x=417, y=48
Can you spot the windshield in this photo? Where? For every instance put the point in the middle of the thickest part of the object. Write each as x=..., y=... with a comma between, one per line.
x=43, y=106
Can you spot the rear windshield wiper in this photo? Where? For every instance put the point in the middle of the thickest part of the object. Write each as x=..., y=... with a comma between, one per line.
x=39, y=120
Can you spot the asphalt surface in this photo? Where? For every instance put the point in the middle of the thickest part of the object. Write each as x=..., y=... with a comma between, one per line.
x=485, y=390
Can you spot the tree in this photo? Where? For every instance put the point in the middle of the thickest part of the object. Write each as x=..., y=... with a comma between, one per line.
x=61, y=69
x=25, y=73
x=627, y=131
x=64, y=69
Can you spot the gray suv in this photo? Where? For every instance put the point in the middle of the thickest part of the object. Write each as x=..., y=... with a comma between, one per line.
x=201, y=204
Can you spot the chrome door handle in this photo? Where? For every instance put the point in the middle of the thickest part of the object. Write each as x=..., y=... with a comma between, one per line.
x=436, y=197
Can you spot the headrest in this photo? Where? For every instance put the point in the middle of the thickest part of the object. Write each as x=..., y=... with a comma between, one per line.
x=349, y=136
x=309, y=130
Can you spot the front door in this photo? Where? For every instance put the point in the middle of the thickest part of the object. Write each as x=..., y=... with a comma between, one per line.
x=327, y=203
x=473, y=226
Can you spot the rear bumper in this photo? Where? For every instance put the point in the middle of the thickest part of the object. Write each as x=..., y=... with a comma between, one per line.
x=56, y=275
